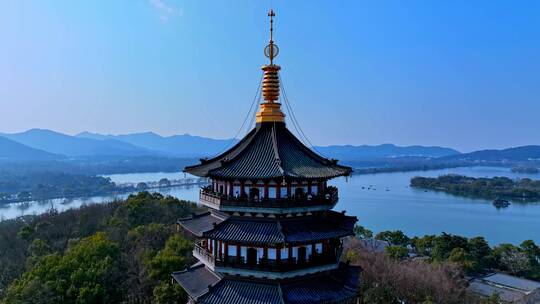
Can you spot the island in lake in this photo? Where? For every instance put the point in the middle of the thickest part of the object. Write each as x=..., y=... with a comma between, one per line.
x=524, y=189
x=526, y=170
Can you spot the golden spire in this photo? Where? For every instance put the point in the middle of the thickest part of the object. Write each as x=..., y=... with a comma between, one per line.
x=270, y=110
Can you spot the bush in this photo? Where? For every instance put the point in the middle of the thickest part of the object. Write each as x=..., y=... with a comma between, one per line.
x=386, y=280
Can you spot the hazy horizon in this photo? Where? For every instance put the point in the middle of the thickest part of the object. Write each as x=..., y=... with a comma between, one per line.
x=462, y=75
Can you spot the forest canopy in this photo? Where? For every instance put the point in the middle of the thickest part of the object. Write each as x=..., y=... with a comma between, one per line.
x=110, y=253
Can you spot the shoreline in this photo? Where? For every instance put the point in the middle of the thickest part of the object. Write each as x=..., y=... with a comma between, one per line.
x=117, y=191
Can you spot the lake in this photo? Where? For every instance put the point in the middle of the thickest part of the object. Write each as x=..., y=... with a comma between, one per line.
x=389, y=204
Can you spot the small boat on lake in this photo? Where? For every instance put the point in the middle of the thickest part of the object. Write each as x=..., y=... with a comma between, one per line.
x=501, y=203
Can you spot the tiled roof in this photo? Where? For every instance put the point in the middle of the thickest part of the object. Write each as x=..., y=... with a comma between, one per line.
x=196, y=279
x=317, y=228
x=486, y=290
x=236, y=292
x=331, y=287
x=511, y=281
x=197, y=224
x=270, y=151
x=510, y=289
x=279, y=231
x=248, y=231
x=317, y=290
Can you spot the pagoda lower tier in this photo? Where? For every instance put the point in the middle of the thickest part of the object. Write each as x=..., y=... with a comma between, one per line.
x=204, y=286
x=256, y=258
x=271, y=247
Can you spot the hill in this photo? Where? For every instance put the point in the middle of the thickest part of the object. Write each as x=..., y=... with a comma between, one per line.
x=523, y=153
x=177, y=145
x=59, y=143
x=365, y=152
x=12, y=150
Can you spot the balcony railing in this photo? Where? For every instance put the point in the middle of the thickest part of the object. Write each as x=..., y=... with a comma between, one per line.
x=328, y=198
x=265, y=264
x=203, y=253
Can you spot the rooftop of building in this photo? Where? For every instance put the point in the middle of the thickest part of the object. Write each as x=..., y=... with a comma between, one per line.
x=269, y=151
x=204, y=286
x=510, y=288
x=268, y=231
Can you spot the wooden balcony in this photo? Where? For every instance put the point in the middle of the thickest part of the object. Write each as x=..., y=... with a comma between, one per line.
x=306, y=202
x=267, y=267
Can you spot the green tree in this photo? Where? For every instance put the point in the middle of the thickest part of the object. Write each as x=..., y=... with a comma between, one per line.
x=26, y=232
x=86, y=273
x=532, y=251
x=37, y=250
x=480, y=253
x=445, y=243
x=176, y=255
x=362, y=232
x=424, y=245
x=463, y=258
x=396, y=252
x=397, y=238
x=478, y=247
x=167, y=293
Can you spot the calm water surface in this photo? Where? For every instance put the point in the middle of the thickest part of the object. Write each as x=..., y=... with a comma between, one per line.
x=390, y=204
x=417, y=212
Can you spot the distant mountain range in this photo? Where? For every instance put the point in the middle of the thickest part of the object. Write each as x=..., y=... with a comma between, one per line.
x=41, y=144
x=12, y=150
x=364, y=152
x=177, y=145
x=523, y=153
x=67, y=145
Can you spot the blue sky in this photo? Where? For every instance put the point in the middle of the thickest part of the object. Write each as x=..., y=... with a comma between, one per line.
x=463, y=74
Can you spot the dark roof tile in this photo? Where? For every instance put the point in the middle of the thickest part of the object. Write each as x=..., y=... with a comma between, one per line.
x=278, y=231
x=270, y=151
x=196, y=279
x=197, y=224
x=332, y=287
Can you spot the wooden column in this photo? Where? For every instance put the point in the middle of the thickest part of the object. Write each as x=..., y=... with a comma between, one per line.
x=278, y=190
x=290, y=254
x=238, y=254
x=289, y=189
x=309, y=187
x=266, y=190
x=226, y=249
x=242, y=188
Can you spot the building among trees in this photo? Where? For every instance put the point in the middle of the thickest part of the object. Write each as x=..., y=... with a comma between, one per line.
x=271, y=235
x=509, y=289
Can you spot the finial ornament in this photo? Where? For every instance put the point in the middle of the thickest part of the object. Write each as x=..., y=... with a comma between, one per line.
x=271, y=50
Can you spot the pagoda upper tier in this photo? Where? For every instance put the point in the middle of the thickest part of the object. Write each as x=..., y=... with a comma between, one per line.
x=270, y=151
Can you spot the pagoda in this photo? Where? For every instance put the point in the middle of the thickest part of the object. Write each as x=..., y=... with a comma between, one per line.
x=270, y=235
